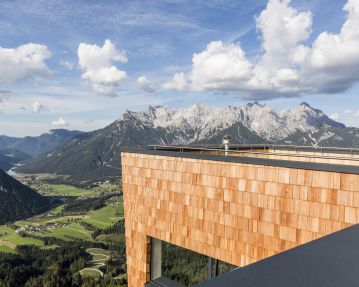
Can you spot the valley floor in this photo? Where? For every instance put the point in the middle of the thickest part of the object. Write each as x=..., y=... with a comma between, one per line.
x=57, y=224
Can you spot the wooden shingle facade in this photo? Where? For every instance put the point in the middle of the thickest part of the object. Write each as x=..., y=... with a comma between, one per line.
x=232, y=211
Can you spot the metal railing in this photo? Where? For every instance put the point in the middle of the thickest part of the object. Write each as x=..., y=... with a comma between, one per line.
x=253, y=150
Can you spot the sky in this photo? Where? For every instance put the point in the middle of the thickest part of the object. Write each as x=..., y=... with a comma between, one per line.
x=79, y=64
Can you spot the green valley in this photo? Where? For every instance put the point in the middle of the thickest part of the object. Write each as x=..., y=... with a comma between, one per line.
x=91, y=219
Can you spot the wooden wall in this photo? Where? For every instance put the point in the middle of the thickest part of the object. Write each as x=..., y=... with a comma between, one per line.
x=238, y=213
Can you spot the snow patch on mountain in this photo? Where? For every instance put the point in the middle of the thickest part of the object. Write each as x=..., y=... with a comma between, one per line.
x=199, y=121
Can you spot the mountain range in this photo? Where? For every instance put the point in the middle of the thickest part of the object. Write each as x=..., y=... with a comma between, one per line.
x=18, y=201
x=34, y=146
x=95, y=155
x=10, y=157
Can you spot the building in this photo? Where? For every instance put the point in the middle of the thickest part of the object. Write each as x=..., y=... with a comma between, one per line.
x=242, y=207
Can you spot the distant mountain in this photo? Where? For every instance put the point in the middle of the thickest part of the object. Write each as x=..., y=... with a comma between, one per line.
x=38, y=145
x=95, y=155
x=18, y=201
x=10, y=157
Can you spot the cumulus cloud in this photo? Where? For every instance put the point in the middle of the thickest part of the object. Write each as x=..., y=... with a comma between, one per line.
x=219, y=67
x=37, y=107
x=60, y=123
x=287, y=66
x=23, y=62
x=146, y=85
x=97, y=64
x=179, y=82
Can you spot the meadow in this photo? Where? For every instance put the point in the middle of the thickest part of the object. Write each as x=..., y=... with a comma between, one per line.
x=68, y=190
x=68, y=232
x=100, y=218
x=69, y=225
x=104, y=217
x=9, y=239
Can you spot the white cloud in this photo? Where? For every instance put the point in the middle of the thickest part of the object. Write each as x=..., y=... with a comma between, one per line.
x=333, y=60
x=146, y=85
x=179, y=82
x=60, y=122
x=348, y=111
x=335, y=117
x=67, y=64
x=98, y=66
x=356, y=114
x=219, y=66
x=288, y=66
x=23, y=62
x=37, y=107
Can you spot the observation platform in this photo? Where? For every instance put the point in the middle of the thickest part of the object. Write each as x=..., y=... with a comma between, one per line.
x=345, y=159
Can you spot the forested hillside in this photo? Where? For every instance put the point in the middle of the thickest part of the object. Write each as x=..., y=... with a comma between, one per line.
x=17, y=200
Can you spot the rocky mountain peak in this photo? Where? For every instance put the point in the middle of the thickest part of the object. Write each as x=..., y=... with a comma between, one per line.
x=201, y=120
x=305, y=104
x=197, y=124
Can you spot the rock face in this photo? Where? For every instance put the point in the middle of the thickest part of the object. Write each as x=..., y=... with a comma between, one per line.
x=18, y=201
x=200, y=122
x=95, y=155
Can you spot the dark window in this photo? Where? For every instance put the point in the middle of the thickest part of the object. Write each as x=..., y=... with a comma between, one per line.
x=187, y=267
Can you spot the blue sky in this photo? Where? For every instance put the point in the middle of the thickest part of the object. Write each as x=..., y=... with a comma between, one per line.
x=155, y=40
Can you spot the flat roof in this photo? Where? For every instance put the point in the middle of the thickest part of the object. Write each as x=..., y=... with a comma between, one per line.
x=330, y=261
x=330, y=159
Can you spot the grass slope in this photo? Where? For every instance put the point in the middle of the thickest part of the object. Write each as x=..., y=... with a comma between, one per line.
x=101, y=218
x=9, y=239
x=68, y=232
x=104, y=217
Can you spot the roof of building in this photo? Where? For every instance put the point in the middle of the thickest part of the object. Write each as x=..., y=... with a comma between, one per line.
x=340, y=160
x=330, y=261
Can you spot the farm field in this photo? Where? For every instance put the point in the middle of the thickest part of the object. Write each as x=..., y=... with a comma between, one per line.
x=104, y=217
x=100, y=218
x=43, y=219
x=9, y=239
x=57, y=189
x=58, y=209
x=110, y=237
x=75, y=225
x=68, y=232
x=6, y=249
x=67, y=190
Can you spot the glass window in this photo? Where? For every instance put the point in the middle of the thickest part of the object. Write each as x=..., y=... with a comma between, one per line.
x=187, y=267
